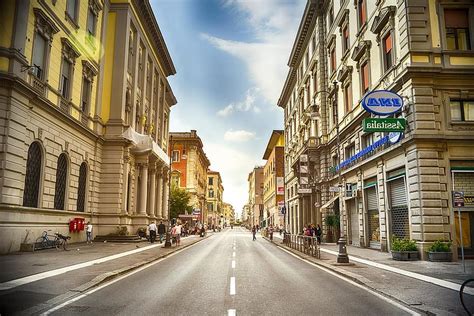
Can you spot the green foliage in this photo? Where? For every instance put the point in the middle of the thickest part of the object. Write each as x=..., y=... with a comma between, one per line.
x=179, y=200
x=403, y=244
x=440, y=246
x=332, y=220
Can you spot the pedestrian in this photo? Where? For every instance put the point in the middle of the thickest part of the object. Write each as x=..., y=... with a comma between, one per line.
x=152, y=228
x=178, y=231
x=319, y=232
x=270, y=232
x=173, y=233
x=161, y=231
x=254, y=231
x=89, y=232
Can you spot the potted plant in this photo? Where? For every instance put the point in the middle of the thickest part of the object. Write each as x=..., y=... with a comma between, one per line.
x=332, y=223
x=404, y=249
x=440, y=251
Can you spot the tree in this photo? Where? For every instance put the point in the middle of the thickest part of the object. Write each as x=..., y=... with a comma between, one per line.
x=179, y=200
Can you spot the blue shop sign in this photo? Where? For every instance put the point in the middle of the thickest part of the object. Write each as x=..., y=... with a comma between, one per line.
x=382, y=102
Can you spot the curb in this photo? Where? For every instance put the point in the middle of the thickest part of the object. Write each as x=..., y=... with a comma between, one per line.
x=102, y=278
x=349, y=275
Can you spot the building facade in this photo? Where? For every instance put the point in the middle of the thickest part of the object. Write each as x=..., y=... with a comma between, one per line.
x=255, y=203
x=273, y=180
x=228, y=213
x=383, y=186
x=215, y=192
x=189, y=169
x=66, y=151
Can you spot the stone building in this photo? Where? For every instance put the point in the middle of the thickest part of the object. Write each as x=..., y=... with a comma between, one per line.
x=189, y=169
x=380, y=185
x=85, y=114
x=215, y=192
x=273, y=180
x=228, y=213
x=255, y=202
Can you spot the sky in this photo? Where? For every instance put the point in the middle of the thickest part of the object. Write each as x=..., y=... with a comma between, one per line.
x=231, y=60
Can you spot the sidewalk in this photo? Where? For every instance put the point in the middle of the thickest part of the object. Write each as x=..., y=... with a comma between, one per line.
x=428, y=287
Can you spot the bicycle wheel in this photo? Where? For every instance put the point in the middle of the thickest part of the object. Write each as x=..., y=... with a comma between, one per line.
x=40, y=243
x=57, y=243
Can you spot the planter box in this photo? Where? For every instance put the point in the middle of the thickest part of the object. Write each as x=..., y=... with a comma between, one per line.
x=440, y=256
x=405, y=255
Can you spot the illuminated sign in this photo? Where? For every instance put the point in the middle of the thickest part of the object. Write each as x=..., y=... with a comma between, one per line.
x=382, y=102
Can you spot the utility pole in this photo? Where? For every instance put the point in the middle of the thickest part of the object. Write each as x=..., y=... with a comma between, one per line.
x=342, y=256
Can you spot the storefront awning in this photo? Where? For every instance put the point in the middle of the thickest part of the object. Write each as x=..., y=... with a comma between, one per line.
x=143, y=143
x=330, y=202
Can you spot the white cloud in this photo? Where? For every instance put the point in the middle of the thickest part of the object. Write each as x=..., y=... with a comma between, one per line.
x=238, y=136
x=246, y=105
x=275, y=25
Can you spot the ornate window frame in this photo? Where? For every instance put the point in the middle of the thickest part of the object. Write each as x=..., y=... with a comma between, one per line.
x=383, y=26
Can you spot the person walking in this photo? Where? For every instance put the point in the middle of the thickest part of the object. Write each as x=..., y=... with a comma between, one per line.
x=319, y=232
x=270, y=232
x=152, y=228
x=89, y=232
x=161, y=231
x=178, y=231
x=254, y=231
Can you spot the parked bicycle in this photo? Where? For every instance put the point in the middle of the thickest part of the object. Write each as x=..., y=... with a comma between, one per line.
x=461, y=296
x=49, y=241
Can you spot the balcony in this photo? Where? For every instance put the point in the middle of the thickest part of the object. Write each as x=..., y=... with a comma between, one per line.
x=38, y=85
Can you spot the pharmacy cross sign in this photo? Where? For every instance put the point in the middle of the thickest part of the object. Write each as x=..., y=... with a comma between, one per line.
x=384, y=124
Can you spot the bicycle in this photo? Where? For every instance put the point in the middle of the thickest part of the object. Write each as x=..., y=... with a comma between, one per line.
x=49, y=241
x=461, y=296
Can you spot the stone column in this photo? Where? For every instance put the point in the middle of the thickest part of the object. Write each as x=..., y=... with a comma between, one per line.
x=159, y=194
x=126, y=193
x=143, y=188
x=151, y=198
x=165, y=195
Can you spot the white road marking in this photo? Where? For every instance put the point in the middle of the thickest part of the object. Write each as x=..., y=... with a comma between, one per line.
x=233, y=264
x=234, y=247
x=233, y=254
x=232, y=286
x=394, y=303
x=446, y=284
x=47, y=274
x=231, y=312
x=111, y=282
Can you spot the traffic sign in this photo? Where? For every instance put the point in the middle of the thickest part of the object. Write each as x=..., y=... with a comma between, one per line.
x=333, y=189
x=384, y=124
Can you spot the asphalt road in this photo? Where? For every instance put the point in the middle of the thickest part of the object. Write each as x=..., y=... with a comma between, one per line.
x=200, y=280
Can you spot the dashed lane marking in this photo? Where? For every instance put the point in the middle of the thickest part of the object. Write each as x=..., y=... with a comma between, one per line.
x=233, y=254
x=233, y=264
x=231, y=312
x=232, y=286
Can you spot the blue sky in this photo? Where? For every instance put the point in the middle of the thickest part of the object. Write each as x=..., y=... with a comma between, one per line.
x=231, y=61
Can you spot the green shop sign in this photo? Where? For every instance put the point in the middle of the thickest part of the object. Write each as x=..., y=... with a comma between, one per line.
x=384, y=125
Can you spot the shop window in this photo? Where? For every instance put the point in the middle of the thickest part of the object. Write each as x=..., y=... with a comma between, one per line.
x=61, y=182
x=362, y=12
x=33, y=175
x=457, y=29
x=364, y=77
x=387, y=51
x=462, y=110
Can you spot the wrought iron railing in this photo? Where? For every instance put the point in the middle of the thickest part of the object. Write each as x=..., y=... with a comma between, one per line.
x=305, y=244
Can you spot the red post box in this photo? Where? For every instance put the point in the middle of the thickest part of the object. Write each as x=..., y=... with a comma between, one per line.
x=72, y=225
x=80, y=223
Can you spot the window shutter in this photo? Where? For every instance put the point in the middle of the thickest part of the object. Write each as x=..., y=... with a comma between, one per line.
x=388, y=43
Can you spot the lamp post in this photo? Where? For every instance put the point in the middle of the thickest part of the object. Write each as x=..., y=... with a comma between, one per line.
x=342, y=256
x=168, y=233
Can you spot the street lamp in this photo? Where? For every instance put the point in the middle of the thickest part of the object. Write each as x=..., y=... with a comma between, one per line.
x=342, y=256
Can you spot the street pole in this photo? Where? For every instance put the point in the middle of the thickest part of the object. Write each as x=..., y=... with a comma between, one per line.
x=342, y=256
x=168, y=236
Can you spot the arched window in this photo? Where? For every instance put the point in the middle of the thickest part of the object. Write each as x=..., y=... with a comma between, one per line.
x=81, y=189
x=61, y=182
x=33, y=175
